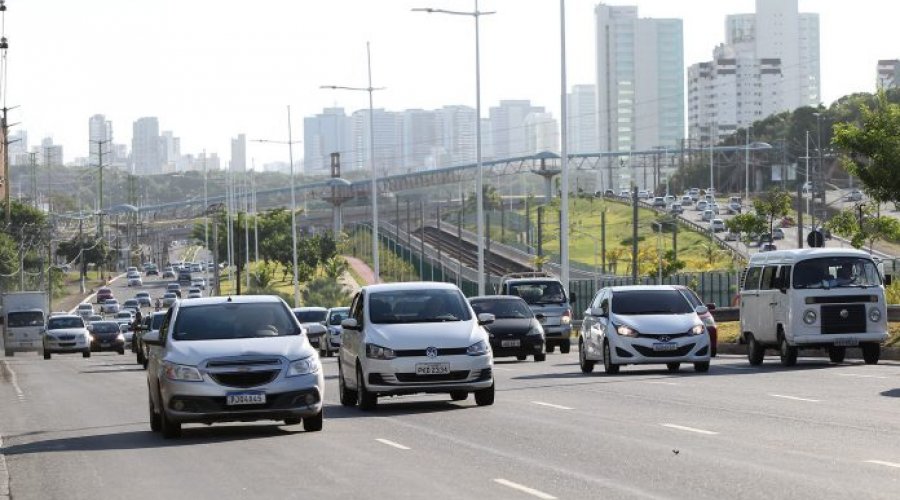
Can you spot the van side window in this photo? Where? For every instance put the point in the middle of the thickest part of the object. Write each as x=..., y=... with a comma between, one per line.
x=783, y=279
x=768, y=278
x=356, y=308
x=751, y=280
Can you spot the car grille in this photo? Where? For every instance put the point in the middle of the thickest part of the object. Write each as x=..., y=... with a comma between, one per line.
x=450, y=351
x=452, y=376
x=833, y=323
x=842, y=299
x=224, y=363
x=65, y=337
x=212, y=404
x=650, y=353
x=244, y=379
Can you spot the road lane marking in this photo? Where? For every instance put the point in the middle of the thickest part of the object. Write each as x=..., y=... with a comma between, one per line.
x=524, y=489
x=4, y=474
x=690, y=429
x=795, y=398
x=392, y=444
x=551, y=405
x=886, y=464
x=20, y=394
x=660, y=382
x=859, y=375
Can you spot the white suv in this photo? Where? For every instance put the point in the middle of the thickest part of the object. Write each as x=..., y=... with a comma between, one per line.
x=409, y=338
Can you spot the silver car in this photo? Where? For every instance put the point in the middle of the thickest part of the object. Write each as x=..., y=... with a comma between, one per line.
x=331, y=341
x=313, y=319
x=239, y=358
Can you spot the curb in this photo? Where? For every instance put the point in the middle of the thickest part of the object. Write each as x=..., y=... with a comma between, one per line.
x=887, y=353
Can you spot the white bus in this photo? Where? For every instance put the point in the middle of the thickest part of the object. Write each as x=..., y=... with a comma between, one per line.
x=813, y=298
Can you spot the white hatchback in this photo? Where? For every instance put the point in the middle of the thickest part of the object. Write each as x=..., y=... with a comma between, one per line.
x=408, y=338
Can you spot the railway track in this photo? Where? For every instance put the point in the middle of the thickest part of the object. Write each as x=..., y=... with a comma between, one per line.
x=467, y=253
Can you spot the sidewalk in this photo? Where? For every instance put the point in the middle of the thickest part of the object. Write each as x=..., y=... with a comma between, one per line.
x=362, y=270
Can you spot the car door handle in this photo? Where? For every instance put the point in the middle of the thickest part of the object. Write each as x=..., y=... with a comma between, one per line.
x=773, y=303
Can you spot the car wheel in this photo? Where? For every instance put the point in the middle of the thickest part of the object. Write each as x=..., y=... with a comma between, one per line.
x=755, y=351
x=121, y=351
x=365, y=400
x=459, y=395
x=314, y=423
x=347, y=396
x=521, y=357
x=86, y=354
x=140, y=357
x=550, y=348
x=8, y=353
x=46, y=354
x=673, y=367
x=565, y=347
x=701, y=366
x=485, y=397
x=871, y=353
x=540, y=357
x=608, y=366
x=837, y=354
x=155, y=424
x=788, y=353
x=169, y=429
x=587, y=366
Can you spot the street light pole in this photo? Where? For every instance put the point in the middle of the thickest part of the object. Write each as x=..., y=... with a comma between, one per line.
x=564, y=123
x=747, y=166
x=479, y=179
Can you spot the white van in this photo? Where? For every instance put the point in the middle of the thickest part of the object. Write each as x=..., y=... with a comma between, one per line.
x=813, y=298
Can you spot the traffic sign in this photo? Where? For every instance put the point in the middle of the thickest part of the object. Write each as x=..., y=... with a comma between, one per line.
x=815, y=239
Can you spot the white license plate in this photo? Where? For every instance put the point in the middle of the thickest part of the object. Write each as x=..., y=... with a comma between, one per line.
x=846, y=342
x=245, y=398
x=510, y=343
x=433, y=369
x=665, y=346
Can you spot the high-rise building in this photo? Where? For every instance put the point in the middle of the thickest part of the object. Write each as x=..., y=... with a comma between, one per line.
x=509, y=134
x=145, y=146
x=50, y=153
x=541, y=133
x=100, y=137
x=457, y=135
x=388, y=141
x=888, y=76
x=323, y=134
x=239, y=153
x=640, y=80
x=583, y=136
x=768, y=64
x=18, y=148
x=169, y=150
x=421, y=139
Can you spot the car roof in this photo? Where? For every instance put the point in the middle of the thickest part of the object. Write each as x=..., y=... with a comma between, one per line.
x=235, y=299
x=310, y=309
x=794, y=255
x=66, y=316
x=338, y=309
x=414, y=285
x=110, y=300
x=496, y=298
x=634, y=288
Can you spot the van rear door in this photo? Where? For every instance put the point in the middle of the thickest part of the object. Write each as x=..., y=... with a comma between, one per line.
x=25, y=330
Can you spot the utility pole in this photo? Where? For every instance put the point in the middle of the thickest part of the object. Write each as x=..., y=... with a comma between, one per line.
x=603, y=239
x=100, y=144
x=634, y=234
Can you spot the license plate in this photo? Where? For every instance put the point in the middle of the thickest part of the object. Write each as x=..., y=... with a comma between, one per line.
x=846, y=342
x=433, y=369
x=665, y=346
x=510, y=343
x=245, y=398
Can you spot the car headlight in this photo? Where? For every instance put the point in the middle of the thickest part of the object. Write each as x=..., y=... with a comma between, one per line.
x=479, y=348
x=626, y=331
x=303, y=366
x=874, y=315
x=809, y=316
x=698, y=330
x=708, y=320
x=374, y=351
x=182, y=373
x=120, y=337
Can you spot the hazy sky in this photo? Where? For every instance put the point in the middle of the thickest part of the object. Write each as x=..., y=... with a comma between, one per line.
x=210, y=69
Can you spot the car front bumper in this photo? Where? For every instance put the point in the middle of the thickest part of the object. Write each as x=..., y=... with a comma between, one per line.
x=398, y=376
x=65, y=346
x=831, y=340
x=628, y=351
x=109, y=345
x=528, y=345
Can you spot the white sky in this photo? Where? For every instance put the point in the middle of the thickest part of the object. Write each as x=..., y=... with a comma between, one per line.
x=210, y=69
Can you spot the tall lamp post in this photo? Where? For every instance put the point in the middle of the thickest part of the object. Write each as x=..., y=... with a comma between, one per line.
x=479, y=179
x=564, y=175
x=376, y=264
x=290, y=144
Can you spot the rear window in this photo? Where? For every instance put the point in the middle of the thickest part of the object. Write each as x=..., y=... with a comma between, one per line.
x=105, y=327
x=637, y=302
x=25, y=318
x=58, y=323
x=234, y=321
x=502, y=308
x=539, y=292
x=338, y=316
x=310, y=316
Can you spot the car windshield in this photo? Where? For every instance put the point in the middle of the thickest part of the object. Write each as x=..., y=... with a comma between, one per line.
x=338, y=316
x=123, y=315
x=836, y=272
x=111, y=301
x=25, y=318
x=104, y=327
x=638, y=302
x=310, y=316
x=169, y=296
x=503, y=308
x=142, y=295
x=539, y=292
x=57, y=323
x=418, y=306
x=234, y=321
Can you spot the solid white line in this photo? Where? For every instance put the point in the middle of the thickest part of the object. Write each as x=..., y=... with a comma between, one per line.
x=524, y=489
x=886, y=464
x=690, y=429
x=659, y=382
x=14, y=380
x=551, y=405
x=795, y=398
x=392, y=444
x=858, y=375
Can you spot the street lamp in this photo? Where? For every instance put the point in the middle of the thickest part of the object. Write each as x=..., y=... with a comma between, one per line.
x=375, y=257
x=564, y=125
x=479, y=179
x=290, y=144
x=747, y=148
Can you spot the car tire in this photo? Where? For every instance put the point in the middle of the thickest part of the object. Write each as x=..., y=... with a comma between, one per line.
x=140, y=357
x=788, y=353
x=121, y=351
x=46, y=354
x=565, y=347
x=521, y=357
x=549, y=348
x=459, y=395
x=609, y=367
x=540, y=357
x=871, y=352
x=837, y=354
x=8, y=353
x=169, y=429
x=587, y=366
x=155, y=423
x=673, y=367
x=701, y=366
x=347, y=396
x=86, y=354
x=755, y=351
x=365, y=400
x=485, y=397
x=314, y=423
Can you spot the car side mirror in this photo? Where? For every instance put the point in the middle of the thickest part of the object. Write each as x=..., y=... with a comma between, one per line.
x=596, y=312
x=153, y=339
x=572, y=297
x=701, y=310
x=539, y=317
x=486, y=319
x=350, y=324
x=888, y=279
x=711, y=306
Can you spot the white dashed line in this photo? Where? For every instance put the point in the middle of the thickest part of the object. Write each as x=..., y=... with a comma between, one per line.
x=858, y=375
x=392, y=444
x=551, y=405
x=886, y=464
x=660, y=382
x=690, y=429
x=795, y=398
x=525, y=489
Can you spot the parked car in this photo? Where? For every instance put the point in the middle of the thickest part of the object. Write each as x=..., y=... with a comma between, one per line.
x=236, y=358
x=313, y=320
x=66, y=334
x=103, y=294
x=107, y=336
x=643, y=325
x=331, y=341
x=109, y=306
x=515, y=330
x=406, y=338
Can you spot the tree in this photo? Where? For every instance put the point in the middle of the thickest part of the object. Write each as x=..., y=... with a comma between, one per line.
x=325, y=292
x=774, y=204
x=746, y=224
x=873, y=148
x=864, y=226
x=334, y=267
